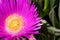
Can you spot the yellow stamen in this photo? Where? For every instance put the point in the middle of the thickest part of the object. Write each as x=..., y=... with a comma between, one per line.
x=14, y=23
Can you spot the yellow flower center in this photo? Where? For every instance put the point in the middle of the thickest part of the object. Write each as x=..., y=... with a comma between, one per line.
x=14, y=23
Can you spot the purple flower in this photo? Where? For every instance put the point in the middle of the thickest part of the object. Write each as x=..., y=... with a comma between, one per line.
x=18, y=18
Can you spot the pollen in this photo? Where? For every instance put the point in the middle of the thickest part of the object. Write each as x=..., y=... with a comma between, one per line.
x=14, y=23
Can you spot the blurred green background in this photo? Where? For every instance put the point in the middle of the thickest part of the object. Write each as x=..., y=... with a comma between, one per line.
x=49, y=11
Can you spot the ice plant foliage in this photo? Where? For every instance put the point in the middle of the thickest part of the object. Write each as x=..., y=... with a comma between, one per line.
x=18, y=18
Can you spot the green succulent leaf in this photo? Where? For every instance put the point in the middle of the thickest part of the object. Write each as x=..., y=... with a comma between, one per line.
x=46, y=7
x=46, y=3
x=53, y=18
x=52, y=2
x=59, y=39
x=54, y=31
x=59, y=11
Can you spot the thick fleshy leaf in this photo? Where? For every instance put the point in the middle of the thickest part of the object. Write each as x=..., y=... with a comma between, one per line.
x=52, y=2
x=46, y=2
x=59, y=39
x=54, y=31
x=53, y=18
x=59, y=11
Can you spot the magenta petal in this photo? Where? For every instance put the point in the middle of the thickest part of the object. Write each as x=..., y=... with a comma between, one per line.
x=26, y=10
